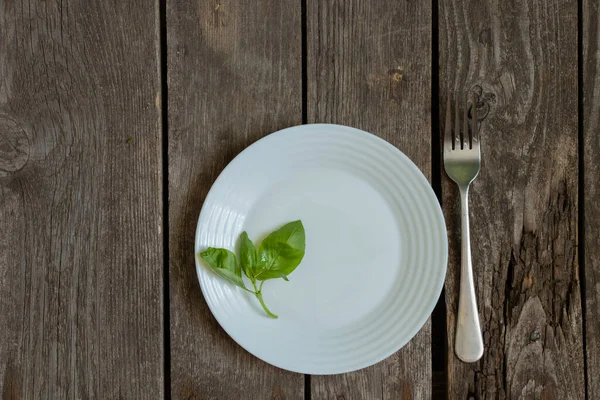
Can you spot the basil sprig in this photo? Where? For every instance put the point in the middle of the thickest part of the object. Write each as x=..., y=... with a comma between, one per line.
x=277, y=257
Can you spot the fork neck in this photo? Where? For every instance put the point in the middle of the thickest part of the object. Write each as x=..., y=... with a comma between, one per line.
x=464, y=200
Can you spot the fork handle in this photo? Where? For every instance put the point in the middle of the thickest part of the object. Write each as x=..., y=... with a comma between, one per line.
x=468, y=344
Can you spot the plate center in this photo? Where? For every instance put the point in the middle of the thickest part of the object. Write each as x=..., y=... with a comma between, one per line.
x=352, y=247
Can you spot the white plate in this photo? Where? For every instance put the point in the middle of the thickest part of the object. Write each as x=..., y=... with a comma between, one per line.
x=376, y=248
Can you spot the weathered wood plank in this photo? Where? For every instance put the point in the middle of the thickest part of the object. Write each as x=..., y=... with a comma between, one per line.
x=520, y=58
x=80, y=245
x=591, y=175
x=234, y=75
x=369, y=66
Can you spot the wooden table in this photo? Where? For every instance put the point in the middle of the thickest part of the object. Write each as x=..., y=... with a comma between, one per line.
x=117, y=116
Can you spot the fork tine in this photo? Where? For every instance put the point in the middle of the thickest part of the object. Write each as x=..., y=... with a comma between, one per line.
x=448, y=128
x=474, y=125
x=465, y=131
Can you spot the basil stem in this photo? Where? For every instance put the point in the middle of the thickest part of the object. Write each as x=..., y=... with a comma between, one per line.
x=258, y=295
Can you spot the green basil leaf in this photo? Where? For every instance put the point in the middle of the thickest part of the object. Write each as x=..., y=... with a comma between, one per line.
x=282, y=251
x=248, y=256
x=225, y=264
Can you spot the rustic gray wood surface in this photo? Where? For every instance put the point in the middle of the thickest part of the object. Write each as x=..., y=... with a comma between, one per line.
x=591, y=204
x=369, y=66
x=234, y=75
x=84, y=157
x=81, y=254
x=520, y=58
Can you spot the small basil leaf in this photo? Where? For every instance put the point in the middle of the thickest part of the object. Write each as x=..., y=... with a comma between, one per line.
x=282, y=251
x=248, y=256
x=225, y=264
x=283, y=276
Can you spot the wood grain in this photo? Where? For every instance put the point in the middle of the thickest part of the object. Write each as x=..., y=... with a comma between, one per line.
x=520, y=59
x=591, y=154
x=234, y=75
x=369, y=66
x=80, y=245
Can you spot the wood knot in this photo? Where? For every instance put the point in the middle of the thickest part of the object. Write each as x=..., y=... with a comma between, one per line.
x=396, y=74
x=482, y=100
x=396, y=78
x=14, y=146
x=485, y=37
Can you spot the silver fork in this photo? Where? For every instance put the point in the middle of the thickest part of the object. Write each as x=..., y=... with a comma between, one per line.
x=462, y=159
